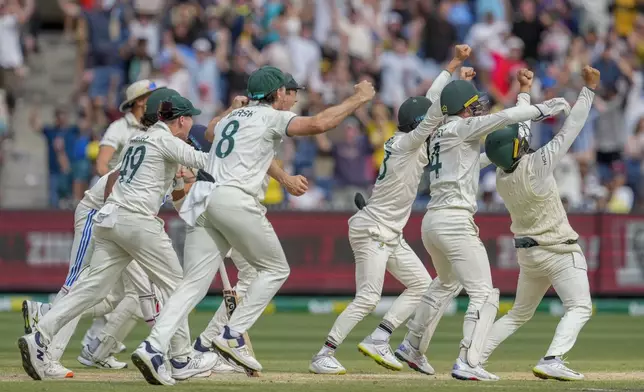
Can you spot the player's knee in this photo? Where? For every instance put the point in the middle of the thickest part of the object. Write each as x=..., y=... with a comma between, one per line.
x=521, y=315
x=366, y=300
x=421, y=285
x=583, y=311
x=282, y=272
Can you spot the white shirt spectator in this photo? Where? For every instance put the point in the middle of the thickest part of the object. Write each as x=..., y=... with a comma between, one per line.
x=149, y=31
x=360, y=38
x=311, y=200
x=485, y=38
x=400, y=72
x=10, y=49
x=307, y=67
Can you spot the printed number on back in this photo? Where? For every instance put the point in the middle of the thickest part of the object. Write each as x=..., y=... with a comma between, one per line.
x=435, y=164
x=132, y=160
x=383, y=168
x=227, y=142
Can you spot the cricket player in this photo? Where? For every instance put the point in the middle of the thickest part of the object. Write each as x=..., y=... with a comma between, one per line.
x=448, y=229
x=133, y=299
x=202, y=255
x=246, y=272
x=547, y=248
x=375, y=232
x=126, y=228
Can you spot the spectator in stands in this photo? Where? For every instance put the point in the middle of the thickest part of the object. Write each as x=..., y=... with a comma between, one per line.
x=12, y=16
x=438, y=36
x=61, y=139
x=205, y=75
x=380, y=127
x=81, y=170
x=610, y=135
x=620, y=197
x=529, y=28
x=401, y=72
x=353, y=165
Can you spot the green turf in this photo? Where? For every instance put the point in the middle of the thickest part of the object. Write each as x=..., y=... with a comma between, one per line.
x=609, y=351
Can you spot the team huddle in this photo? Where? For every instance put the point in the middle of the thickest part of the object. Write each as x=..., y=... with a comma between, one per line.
x=123, y=267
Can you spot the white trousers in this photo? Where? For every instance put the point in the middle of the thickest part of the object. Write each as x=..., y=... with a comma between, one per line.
x=246, y=273
x=133, y=236
x=122, y=302
x=240, y=223
x=452, y=239
x=373, y=256
x=567, y=273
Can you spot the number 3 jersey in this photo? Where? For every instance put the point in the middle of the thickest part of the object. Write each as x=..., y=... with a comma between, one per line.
x=148, y=167
x=244, y=146
x=405, y=157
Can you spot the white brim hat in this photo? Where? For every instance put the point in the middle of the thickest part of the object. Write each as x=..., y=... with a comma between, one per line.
x=135, y=91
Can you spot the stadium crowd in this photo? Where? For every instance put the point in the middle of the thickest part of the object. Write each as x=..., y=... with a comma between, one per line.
x=205, y=49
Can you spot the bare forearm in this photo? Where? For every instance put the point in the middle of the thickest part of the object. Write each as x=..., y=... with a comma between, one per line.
x=276, y=172
x=333, y=116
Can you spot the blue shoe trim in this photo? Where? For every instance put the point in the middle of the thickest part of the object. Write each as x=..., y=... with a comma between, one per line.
x=200, y=347
x=240, y=340
x=38, y=340
x=178, y=365
x=157, y=361
x=149, y=349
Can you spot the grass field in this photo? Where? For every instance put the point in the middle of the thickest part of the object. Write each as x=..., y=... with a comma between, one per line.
x=609, y=352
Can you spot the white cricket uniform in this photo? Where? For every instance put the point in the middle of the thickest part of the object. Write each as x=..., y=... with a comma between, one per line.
x=530, y=193
x=127, y=227
x=375, y=232
x=117, y=135
x=448, y=229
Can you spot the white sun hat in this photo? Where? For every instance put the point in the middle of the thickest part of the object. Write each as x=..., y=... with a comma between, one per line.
x=135, y=91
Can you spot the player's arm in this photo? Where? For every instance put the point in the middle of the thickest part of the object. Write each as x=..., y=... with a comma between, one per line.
x=108, y=146
x=176, y=150
x=547, y=157
x=461, y=53
x=184, y=179
x=238, y=102
x=474, y=128
x=295, y=185
x=484, y=161
x=333, y=116
x=111, y=180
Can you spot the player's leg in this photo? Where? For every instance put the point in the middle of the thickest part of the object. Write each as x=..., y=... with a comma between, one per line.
x=568, y=273
x=148, y=243
x=531, y=288
x=407, y=268
x=246, y=273
x=108, y=261
x=371, y=257
x=433, y=304
x=242, y=223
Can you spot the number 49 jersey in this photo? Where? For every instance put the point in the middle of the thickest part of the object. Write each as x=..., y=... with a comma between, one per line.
x=148, y=167
x=244, y=146
x=454, y=166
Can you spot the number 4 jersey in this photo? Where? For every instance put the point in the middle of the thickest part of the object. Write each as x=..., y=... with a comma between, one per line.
x=244, y=146
x=148, y=167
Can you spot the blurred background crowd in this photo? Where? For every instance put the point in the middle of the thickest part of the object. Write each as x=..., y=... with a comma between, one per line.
x=206, y=49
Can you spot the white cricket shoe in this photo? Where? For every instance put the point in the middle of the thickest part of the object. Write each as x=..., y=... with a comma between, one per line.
x=151, y=364
x=326, y=364
x=237, y=350
x=380, y=351
x=35, y=358
x=31, y=312
x=87, y=358
x=414, y=358
x=555, y=369
x=199, y=365
x=57, y=370
x=463, y=371
x=222, y=365
x=120, y=347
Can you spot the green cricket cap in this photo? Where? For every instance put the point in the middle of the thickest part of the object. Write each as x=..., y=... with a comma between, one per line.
x=290, y=83
x=264, y=81
x=458, y=95
x=152, y=105
x=176, y=106
x=412, y=112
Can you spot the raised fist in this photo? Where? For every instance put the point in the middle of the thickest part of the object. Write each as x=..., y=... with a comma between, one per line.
x=365, y=91
x=462, y=52
x=591, y=76
x=525, y=77
x=467, y=73
x=239, y=101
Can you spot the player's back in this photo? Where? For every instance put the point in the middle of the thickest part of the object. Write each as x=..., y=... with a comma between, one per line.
x=145, y=173
x=396, y=186
x=244, y=146
x=454, y=168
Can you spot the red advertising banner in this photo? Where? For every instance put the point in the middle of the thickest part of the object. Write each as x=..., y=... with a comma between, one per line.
x=35, y=248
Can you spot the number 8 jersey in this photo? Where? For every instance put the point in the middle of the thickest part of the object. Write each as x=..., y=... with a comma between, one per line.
x=148, y=167
x=244, y=146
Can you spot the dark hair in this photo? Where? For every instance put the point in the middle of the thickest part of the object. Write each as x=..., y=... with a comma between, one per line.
x=270, y=98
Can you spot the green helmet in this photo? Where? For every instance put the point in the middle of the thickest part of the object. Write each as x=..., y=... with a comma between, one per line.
x=506, y=146
x=152, y=105
x=412, y=112
x=458, y=95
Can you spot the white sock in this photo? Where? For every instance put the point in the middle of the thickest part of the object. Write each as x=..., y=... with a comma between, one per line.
x=383, y=331
x=326, y=350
